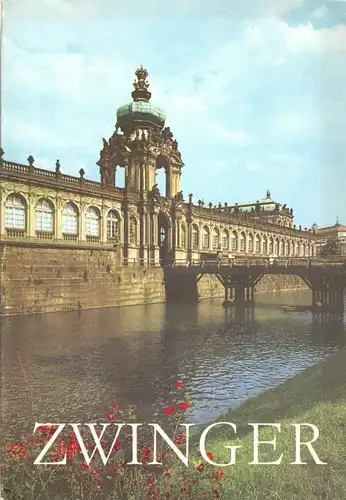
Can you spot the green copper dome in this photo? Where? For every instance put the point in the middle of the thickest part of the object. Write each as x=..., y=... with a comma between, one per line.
x=140, y=113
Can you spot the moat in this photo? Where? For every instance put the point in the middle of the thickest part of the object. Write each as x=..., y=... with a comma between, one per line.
x=72, y=366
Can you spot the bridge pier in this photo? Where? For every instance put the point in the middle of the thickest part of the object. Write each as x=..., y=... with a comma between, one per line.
x=328, y=299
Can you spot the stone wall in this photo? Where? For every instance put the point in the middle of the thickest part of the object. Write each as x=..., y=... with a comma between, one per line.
x=39, y=279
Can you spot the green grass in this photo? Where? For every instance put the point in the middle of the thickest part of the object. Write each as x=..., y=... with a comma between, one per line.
x=316, y=396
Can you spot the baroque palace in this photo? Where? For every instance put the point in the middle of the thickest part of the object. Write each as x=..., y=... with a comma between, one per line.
x=48, y=209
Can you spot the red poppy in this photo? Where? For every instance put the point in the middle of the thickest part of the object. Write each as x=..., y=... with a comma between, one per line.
x=178, y=384
x=169, y=410
x=169, y=472
x=111, y=416
x=184, y=405
x=200, y=468
x=116, y=407
x=220, y=474
x=210, y=455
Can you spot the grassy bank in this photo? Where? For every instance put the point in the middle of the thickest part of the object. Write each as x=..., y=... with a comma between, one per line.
x=316, y=396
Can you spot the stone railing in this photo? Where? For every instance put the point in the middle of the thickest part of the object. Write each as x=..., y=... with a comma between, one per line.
x=56, y=178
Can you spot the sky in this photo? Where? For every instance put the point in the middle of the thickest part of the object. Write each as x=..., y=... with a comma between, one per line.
x=254, y=92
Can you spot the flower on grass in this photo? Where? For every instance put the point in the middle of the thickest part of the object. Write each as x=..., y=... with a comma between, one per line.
x=116, y=407
x=200, y=468
x=184, y=405
x=178, y=384
x=210, y=455
x=111, y=416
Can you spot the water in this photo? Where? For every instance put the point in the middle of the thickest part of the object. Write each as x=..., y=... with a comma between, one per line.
x=72, y=366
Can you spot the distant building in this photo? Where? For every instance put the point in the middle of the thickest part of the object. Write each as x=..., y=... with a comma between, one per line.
x=331, y=233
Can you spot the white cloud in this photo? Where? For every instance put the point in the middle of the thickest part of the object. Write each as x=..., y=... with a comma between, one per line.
x=320, y=12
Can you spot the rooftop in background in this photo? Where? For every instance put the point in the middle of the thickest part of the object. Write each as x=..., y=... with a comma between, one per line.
x=331, y=229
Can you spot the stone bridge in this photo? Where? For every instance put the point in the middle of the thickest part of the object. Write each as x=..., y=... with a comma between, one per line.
x=239, y=276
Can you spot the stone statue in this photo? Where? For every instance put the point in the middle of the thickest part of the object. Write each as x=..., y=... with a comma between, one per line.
x=155, y=189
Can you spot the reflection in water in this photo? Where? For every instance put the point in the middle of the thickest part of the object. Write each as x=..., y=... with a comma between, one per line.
x=70, y=367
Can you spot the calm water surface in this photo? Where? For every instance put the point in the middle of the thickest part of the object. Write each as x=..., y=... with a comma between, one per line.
x=70, y=367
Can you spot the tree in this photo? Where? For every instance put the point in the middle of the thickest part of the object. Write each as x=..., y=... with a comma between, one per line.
x=331, y=249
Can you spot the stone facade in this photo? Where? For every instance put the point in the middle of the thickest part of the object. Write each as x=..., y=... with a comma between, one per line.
x=51, y=222
x=331, y=233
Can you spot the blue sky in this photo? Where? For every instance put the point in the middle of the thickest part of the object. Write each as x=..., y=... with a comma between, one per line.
x=254, y=92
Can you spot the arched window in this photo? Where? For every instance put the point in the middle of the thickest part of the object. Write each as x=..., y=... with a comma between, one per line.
x=195, y=238
x=276, y=246
x=205, y=237
x=250, y=243
x=113, y=227
x=216, y=238
x=287, y=248
x=225, y=239
x=44, y=216
x=162, y=235
x=15, y=211
x=70, y=219
x=234, y=241
x=298, y=249
x=258, y=244
x=304, y=250
x=133, y=231
x=242, y=240
x=271, y=245
x=92, y=222
x=282, y=247
x=265, y=245
x=183, y=237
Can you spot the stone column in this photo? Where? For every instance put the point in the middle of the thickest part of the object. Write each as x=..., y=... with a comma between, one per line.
x=2, y=211
x=30, y=216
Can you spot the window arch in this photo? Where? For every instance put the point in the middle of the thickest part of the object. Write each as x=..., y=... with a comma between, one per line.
x=44, y=212
x=205, y=238
x=216, y=238
x=250, y=242
x=282, y=247
x=15, y=212
x=258, y=244
x=183, y=236
x=225, y=239
x=271, y=245
x=113, y=227
x=234, y=241
x=242, y=240
x=133, y=231
x=287, y=248
x=92, y=222
x=70, y=219
x=265, y=245
x=277, y=246
x=304, y=249
x=195, y=237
